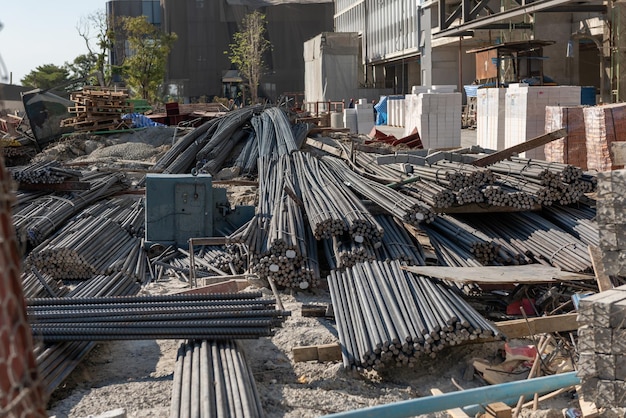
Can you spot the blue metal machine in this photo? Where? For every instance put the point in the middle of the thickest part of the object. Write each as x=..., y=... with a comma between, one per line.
x=183, y=206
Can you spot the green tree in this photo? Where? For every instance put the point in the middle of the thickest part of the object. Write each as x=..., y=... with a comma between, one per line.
x=83, y=70
x=247, y=50
x=48, y=76
x=144, y=68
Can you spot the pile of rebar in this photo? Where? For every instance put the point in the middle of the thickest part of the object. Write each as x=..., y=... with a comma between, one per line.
x=579, y=221
x=213, y=380
x=387, y=316
x=193, y=316
x=77, y=252
x=36, y=219
x=403, y=207
x=47, y=172
x=57, y=360
x=535, y=237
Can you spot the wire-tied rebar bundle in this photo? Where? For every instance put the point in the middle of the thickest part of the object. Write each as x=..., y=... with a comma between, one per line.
x=46, y=172
x=403, y=207
x=332, y=209
x=387, y=316
x=397, y=244
x=534, y=236
x=578, y=221
x=37, y=219
x=214, y=316
x=213, y=380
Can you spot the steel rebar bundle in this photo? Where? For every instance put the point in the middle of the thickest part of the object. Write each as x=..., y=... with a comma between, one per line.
x=245, y=164
x=76, y=252
x=386, y=315
x=502, y=195
x=37, y=285
x=213, y=380
x=57, y=360
x=47, y=172
x=39, y=218
x=578, y=221
x=536, y=237
x=403, y=207
x=274, y=133
x=98, y=319
x=343, y=253
x=431, y=193
x=181, y=156
x=397, y=244
x=332, y=208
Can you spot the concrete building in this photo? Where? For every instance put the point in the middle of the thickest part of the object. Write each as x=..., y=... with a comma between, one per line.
x=406, y=42
x=199, y=68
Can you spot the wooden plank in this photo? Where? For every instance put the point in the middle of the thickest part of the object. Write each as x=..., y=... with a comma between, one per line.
x=324, y=147
x=518, y=328
x=524, y=146
x=329, y=352
x=305, y=353
x=587, y=408
x=453, y=412
x=324, y=352
x=498, y=410
x=56, y=187
x=618, y=150
x=313, y=310
x=603, y=279
x=528, y=274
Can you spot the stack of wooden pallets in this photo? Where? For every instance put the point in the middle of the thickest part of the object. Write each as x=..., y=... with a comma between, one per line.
x=99, y=109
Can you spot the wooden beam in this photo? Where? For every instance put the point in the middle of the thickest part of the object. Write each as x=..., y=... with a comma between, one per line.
x=603, y=279
x=528, y=274
x=518, y=328
x=323, y=352
x=453, y=412
x=324, y=147
x=516, y=149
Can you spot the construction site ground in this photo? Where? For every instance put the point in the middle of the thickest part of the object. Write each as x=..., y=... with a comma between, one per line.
x=136, y=376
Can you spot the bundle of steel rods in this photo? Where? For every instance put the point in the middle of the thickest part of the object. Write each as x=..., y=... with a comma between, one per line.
x=76, y=252
x=578, y=221
x=346, y=253
x=57, y=360
x=213, y=380
x=397, y=244
x=387, y=316
x=47, y=172
x=245, y=163
x=332, y=208
x=182, y=155
x=38, y=285
x=39, y=218
x=403, y=207
x=430, y=193
x=273, y=132
x=482, y=248
x=194, y=316
x=537, y=238
x=502, y=195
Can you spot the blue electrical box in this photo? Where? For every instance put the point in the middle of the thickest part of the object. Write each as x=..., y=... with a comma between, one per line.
x=183, y=206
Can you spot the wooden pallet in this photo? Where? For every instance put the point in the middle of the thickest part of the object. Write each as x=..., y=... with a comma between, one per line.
x=98, y=108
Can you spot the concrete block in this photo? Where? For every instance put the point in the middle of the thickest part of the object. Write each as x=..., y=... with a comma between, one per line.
x=606, y=393
x=619, y=342
x=605, y=366
x=586, y=340
x=587, y=366
x=589, y=387
x=603, y=340
x=620, y=367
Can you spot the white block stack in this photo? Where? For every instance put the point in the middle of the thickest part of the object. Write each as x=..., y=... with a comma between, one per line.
x=437, y=117
x=364, y=116
x=490, y=118
x=525, y=108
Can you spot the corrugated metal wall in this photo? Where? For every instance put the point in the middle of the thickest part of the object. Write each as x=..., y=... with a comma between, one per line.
x=390, y=27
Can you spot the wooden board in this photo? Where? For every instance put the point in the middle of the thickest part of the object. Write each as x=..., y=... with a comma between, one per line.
x=323, y=352
x=518, y=328
x=527, y=274
x=519, y=148
x=604, y=281
x=453, y=412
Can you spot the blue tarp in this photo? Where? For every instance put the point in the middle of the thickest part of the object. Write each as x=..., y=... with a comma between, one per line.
x=141, y=121
x=381, y=111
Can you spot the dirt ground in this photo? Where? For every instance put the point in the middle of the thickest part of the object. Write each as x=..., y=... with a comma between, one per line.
x=137, y=375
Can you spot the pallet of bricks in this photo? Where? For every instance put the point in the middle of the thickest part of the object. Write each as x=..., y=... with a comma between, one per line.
x=99, y=109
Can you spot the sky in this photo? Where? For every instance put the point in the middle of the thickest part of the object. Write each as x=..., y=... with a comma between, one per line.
x=38, y=32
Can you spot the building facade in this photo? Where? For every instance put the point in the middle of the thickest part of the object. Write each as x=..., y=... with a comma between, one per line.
x=198, y=66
